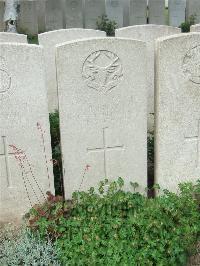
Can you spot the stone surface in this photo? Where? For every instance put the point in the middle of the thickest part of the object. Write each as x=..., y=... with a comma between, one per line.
x=177, y=9
x=49, y=40
x=1, y=16
x=148, y=34
x=193, y=8
x=157, y=12
x=178, y=113
x=28, y=19
x=54, y=15
x=25, y=152
x=195, y=28
x=12, y=37
x=41, y=10
x=115, y=11
x=74, y=13
x=102, y=111
x=93, y=10
x=138, y=12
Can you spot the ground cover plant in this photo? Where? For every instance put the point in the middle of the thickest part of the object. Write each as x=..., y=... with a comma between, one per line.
x=115, y=227
x=21, y=247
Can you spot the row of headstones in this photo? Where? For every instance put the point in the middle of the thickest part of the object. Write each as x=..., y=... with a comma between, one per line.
x=102, y=88
x=45, y=15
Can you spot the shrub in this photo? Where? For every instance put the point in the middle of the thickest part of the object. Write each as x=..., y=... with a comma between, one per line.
x=23, y=248
x=185, y=26
x=115, y=227
x=56, y=152
x=104, y=24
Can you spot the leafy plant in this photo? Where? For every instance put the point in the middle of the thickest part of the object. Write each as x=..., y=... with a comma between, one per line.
x=185, y=26
x=104, y=24
x=56, y=152
x=116, y=227
x=22, y=248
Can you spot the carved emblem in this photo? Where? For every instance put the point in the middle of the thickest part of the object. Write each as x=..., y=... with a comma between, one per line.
x=5, y=79
x=102, y=71
x=191, y=65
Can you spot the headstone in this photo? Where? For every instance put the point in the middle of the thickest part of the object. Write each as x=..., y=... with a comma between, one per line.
x=25, y=152
x=178, y=112
x=157, y=12
x=102, y=111
x=41, y=10
x=93, y=10
x=138, y=12
x=177, y=9
x=2, y=26
x=148, y=34
x=49, y=40
x=54, y=15
x=193, y=8
x=195, y=28
x=114, y=11
x=28, y=20
x=74, y=13
x=12, y=37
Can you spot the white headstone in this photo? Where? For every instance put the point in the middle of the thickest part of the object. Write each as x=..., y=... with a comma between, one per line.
x=54, y=15
x=138, y=12
x=177, y=9
x=74, y=13
x=49, y=40
x=195, y=28
x=28, y=19
x=157, y=12
x=2, y=26
x=114, y=11
x=25, y=152
x=148, y=34
x=12, y=37
x=102, y=111
x=93, y=10
x=178, y=112
x=193, y=8
x=41, y=10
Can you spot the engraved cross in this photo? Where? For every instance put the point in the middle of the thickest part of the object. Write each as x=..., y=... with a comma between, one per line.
x=197, y=140
x=6, y=154
x=105, y=149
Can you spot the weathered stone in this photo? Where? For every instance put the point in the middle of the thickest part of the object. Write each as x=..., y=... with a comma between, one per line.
x=12, y=37
x=195, y=28
x=138, y=12
x=114, y=11
x=93, y=10
x=49, y=40
x=148, y=34
x=25, y=152
x=2, y=25
x=41, y=10
x=157, y=12
x=193, y=8
x=28, y=19
x=102, y=104
x=177, y=9
x=178, y=112
x=54, y=15
x=74, y=13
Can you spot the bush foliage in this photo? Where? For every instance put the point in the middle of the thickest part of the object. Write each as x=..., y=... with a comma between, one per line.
x=185, y=26
x=113, y=227
x=104, y=24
